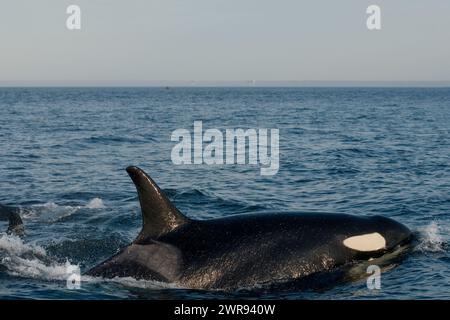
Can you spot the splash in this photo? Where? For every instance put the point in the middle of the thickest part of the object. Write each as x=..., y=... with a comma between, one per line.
x=32, y=261
x=96, y=203
x=14, y=245
x=52, y=212
x=29, y=260
x=36, y=268
x=431, y=238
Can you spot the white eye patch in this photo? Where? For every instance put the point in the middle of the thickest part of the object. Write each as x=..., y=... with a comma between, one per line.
x=366, y=242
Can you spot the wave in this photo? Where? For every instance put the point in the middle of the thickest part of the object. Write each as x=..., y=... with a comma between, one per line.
x=113, y=139
x=96, y=203
x=202, y=197
x=36, y=268
x=14, y=245
x=54, y=212
x=30, y=260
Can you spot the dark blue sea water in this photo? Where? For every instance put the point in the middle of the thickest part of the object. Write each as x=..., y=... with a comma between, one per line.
x=356, y=150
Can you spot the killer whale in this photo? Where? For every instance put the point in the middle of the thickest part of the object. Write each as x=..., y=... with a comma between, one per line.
x=243, y=250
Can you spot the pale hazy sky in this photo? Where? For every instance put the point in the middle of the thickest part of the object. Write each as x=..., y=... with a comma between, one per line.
x=145, y=41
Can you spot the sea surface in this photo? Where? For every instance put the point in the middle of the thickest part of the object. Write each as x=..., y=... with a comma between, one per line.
x=363, y=151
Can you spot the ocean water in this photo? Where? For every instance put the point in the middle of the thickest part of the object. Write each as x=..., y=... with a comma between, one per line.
x=363, y=151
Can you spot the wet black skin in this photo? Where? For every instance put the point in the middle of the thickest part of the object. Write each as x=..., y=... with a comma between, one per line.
x=240, y=250
x=11, y=215
x=246, y=250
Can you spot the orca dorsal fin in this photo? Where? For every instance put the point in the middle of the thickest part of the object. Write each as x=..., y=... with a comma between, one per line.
x=159, y=215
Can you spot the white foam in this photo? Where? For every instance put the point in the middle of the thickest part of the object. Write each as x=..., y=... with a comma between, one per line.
x=431, y=238
x=96, y=203
x=36, y=268
x=14, y=245
x=32, y=261
x=51, y=211
x=29, y=260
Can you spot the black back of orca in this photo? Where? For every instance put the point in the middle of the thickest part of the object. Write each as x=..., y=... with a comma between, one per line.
x=243, y=250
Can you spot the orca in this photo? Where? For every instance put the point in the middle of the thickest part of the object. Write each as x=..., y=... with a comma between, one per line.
x=12, y=215
x=246, y=250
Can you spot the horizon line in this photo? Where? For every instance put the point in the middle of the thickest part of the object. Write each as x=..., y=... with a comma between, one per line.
x=226, y=83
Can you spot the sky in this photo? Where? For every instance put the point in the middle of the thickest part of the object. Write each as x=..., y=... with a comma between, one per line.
x=145, y=42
